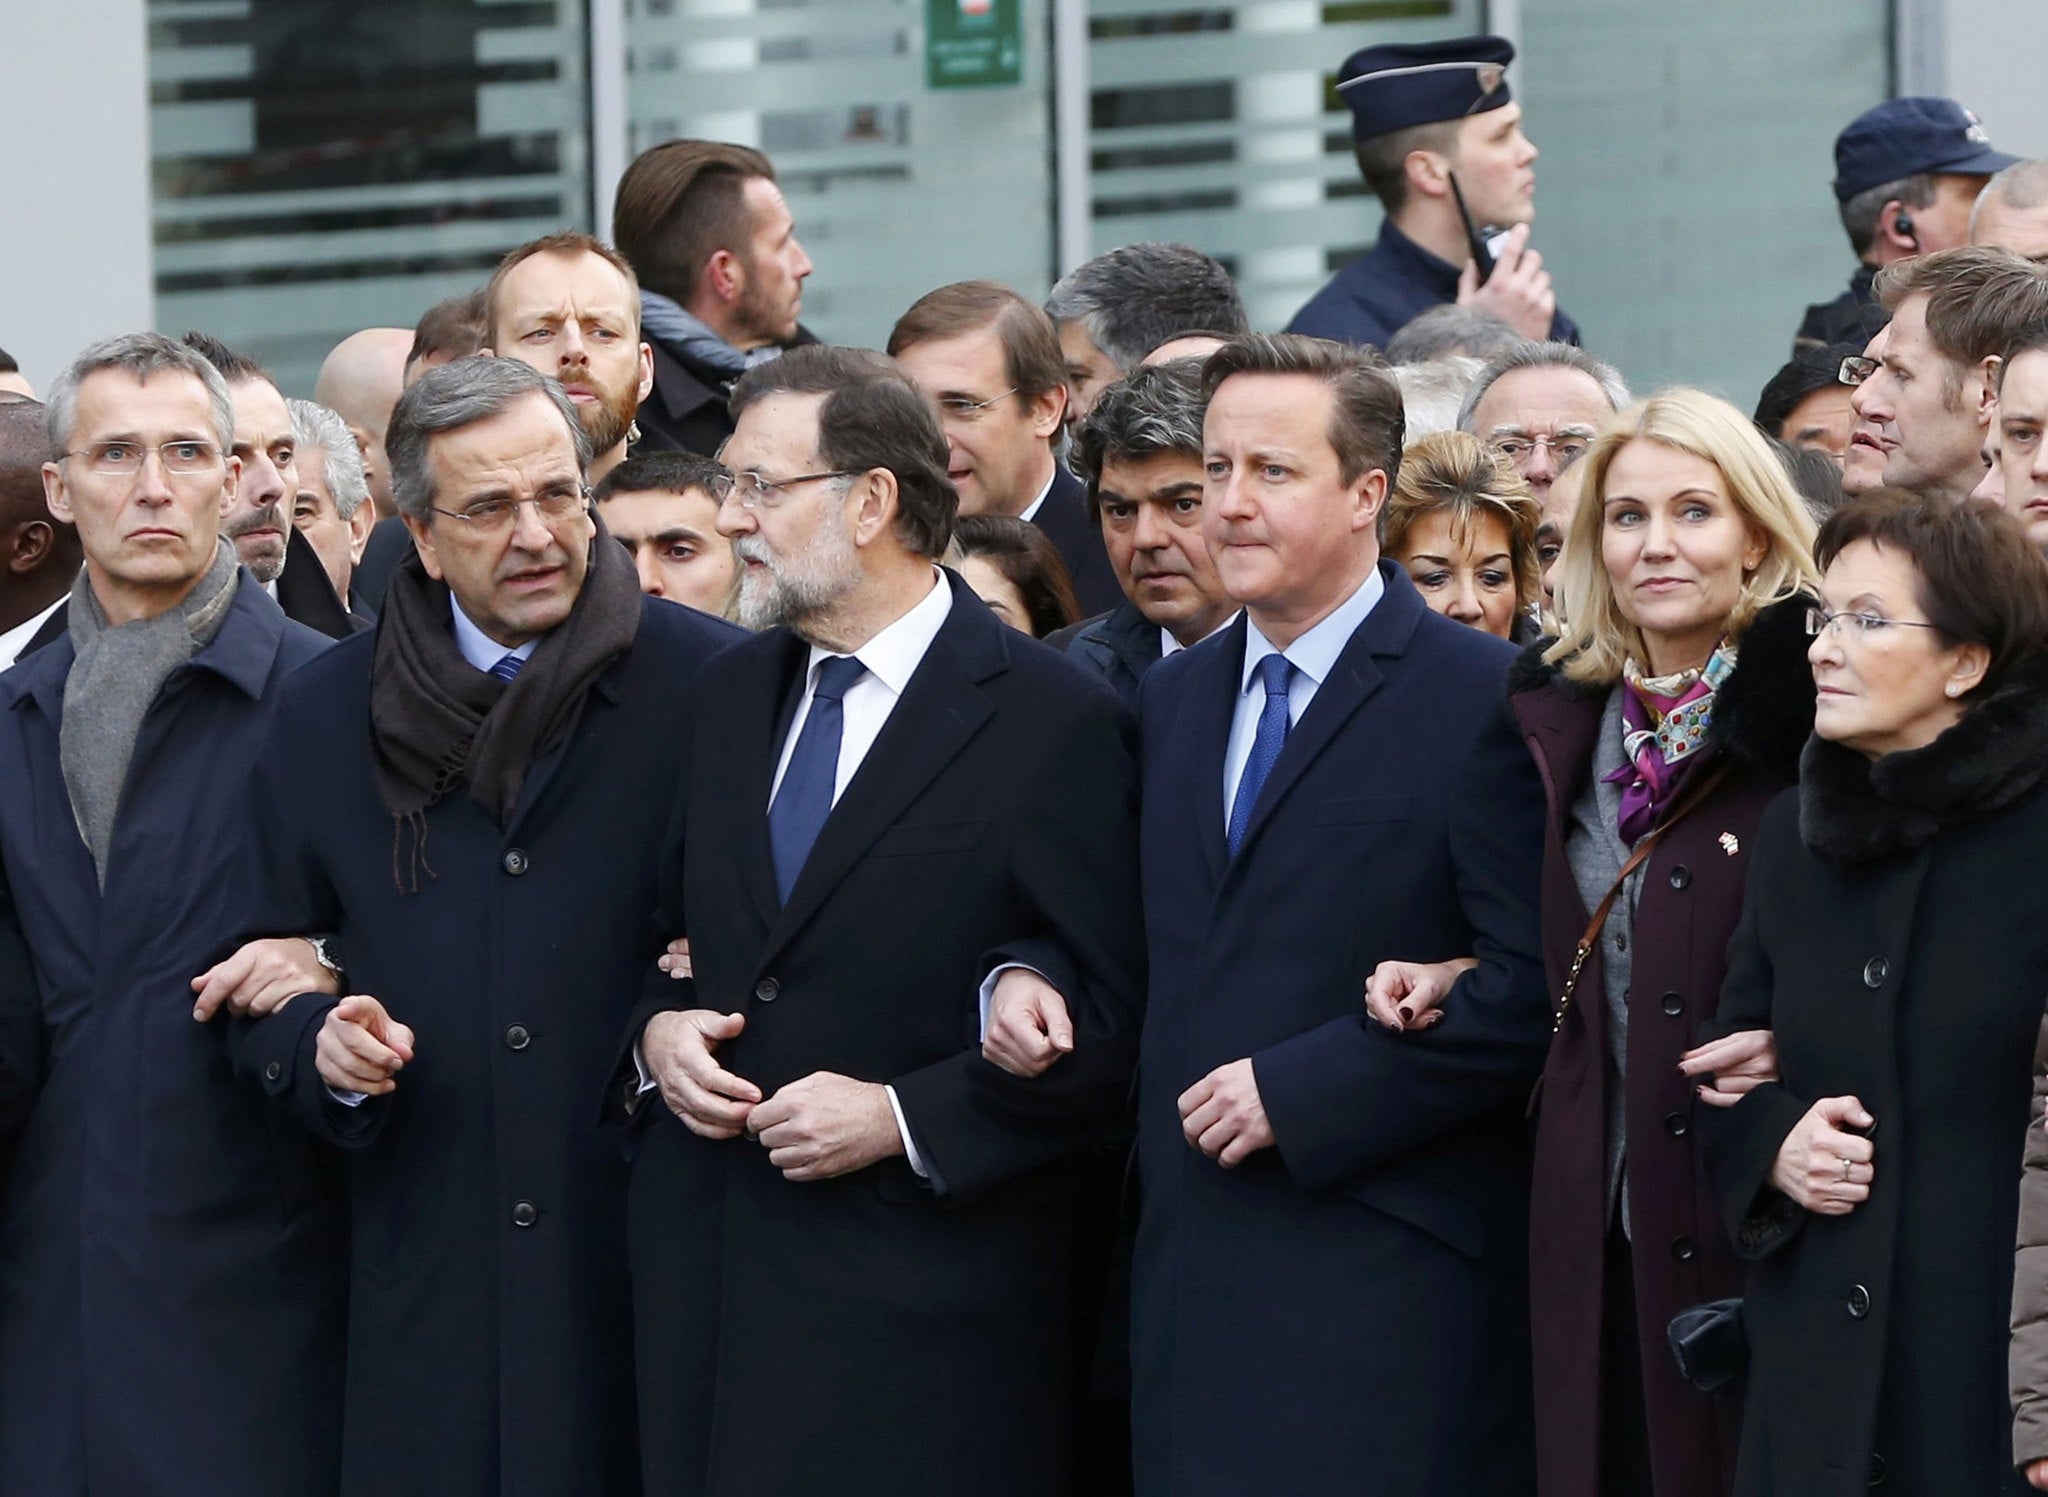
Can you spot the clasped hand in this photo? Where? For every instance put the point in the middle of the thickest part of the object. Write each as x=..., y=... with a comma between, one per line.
x=261, y=978
x=1821, y=1165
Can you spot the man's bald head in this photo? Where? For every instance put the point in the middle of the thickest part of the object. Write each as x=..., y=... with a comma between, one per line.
x=362, y=379
x=38, y=556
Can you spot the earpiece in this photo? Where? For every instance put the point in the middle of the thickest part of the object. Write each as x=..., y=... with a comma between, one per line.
x=1902, y=225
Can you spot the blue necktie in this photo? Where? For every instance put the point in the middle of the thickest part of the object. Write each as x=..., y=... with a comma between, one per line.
x=1274, y=673
x=507, y=667
x=804, y=799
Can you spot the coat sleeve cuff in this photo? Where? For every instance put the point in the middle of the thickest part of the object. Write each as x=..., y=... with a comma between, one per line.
x=1742, y=1144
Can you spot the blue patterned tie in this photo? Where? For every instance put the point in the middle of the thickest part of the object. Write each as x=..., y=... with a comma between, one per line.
x=1275, y=671
x=804, y=799
x=507, y=667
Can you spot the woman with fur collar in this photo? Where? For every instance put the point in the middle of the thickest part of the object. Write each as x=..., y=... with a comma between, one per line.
x=1675, y=704
x=1895, y=940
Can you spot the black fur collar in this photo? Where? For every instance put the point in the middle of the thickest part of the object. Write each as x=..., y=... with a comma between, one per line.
x=1853, y=809
x=1763, y=712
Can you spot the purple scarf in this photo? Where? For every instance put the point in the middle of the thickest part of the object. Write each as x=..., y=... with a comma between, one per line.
x=1664, y=722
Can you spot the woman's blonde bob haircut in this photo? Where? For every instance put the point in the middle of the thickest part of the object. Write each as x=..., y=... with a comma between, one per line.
x=1596, y=640
x=1455, y=471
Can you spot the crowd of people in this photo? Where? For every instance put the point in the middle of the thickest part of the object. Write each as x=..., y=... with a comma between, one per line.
x=1099, y=901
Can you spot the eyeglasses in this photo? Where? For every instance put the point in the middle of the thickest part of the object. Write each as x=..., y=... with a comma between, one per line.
x=489, y=515
x=125, y=459
x=960, y=408
x=1564, y=450
x=1856, y=369
x=1861, y=625
x=755, y=492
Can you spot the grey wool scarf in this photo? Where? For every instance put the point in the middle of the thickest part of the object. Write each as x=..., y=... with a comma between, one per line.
x=112, y=685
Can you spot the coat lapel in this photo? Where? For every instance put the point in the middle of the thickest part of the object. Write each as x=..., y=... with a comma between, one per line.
x=941, y=709
x=766, y=705
x=1208, y=706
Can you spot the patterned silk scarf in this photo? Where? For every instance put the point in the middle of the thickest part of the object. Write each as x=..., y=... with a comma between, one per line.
x=1664, y=722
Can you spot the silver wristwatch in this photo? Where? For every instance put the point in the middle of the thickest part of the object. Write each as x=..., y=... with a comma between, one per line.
x=327, y=954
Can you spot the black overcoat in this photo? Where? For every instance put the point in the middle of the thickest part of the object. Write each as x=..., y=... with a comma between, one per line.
x=1895, y=938
x=489, y=1339
x=1691, y=894
x=1346, y=1312
x=171, y=1270
x=865, y=1335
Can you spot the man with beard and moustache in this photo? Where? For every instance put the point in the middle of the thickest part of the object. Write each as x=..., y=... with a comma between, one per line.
x=569, y=306
x=721, y=279
x=259, y=525
x=852, y=1255
x=494, y=922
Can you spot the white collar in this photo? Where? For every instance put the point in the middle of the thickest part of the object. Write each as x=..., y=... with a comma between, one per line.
x=1315, y=653
x=1031, y=510
x=477, y=647
x=894, y=654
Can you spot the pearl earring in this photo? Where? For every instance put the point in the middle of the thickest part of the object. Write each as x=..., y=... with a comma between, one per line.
x=1950, y=688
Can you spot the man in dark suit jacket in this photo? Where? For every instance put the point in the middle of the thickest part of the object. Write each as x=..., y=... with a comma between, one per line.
x=1329, y=1282
x=39, y=554
x=1140, y=450
x=850, y=1238
x=992, y=362
x=494, y=924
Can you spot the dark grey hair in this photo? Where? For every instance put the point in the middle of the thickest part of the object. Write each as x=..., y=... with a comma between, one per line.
x=142, y=355
x=1133, y=299
x=317, y=426
x=1542, y=356
x=1860, y=213
x=1431, y=393
x=1155, y=408
x=454, y=396
x=1451, y=329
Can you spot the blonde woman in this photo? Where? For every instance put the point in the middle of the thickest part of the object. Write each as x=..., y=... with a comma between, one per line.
x=1671, y=712
x=1463, y=523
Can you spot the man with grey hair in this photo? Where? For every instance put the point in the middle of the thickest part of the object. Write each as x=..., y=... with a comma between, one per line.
x=171, y=1311
x=1119, y=306
x=331, y=509
x=494, y=761
x=2011, y=213
x=1140, y=453
x=1539, y=406
x=1451, y=331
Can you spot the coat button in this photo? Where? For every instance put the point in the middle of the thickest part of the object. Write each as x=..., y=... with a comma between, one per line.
x=524, y=1213
x=272, y=1071
x=516, y=862
x=1676, y=1125
x=1680, y=876
x=767, y=990
x=1875, y=971
x=517, y=1037
x=1620, y=941
x=1858, y=1301
x=1684, y=1249
x=1673, y=1005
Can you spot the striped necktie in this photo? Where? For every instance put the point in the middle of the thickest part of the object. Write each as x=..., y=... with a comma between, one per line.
x=508, y=666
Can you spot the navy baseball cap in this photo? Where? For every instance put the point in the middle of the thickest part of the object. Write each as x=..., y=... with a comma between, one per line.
x=1396, y=85
x=1905, y=137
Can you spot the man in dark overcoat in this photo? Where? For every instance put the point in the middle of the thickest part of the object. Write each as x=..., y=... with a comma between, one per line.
x=1329, y=1282
x=494, y=765
x=852, y=1236
x=171, y=1277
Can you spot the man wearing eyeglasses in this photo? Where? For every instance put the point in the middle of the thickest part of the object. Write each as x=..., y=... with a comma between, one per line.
x=494, y=763
x=992, y=361
x=171, y=1300
x=853, y=1260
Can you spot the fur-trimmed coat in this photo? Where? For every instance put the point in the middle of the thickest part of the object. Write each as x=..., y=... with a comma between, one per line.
x=1895, y=938
x=1691, y=894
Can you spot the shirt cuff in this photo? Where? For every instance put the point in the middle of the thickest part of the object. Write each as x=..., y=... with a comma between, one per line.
x=347, y=1099
x=988, y=989
x=647, y=1081
x=917, y=1165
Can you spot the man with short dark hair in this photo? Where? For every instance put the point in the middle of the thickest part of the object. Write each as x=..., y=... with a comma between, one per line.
x=663, y=508
x=171, y=1288
x=1906, y=174
x=2011, y=213
x=493, y=766
x=1439, y=140
x=1952, y=314
x=568, y=305
x=1119, y=306
x=851, y=1256
x=722, y=274
x=1140, y=453
x=991, y=361
x=448, y=330
x=39, y=554
x=2023, y=430
x=1805, y=404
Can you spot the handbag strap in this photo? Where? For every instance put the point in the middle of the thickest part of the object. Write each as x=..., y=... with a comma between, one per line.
x=1689, y=803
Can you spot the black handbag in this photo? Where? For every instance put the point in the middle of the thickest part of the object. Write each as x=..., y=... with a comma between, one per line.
x=1710, y=1344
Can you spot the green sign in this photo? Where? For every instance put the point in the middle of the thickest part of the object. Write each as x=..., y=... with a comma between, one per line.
x=973, y=43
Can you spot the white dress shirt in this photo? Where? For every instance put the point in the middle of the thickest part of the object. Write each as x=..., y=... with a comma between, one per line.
x=16, y=639
x=1031, y=510
x=477, y=647
x=1168, y=645
x=1313, y=656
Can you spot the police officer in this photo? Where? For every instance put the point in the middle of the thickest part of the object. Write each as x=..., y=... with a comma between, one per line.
x=1433, y=121
x=1906, y=175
